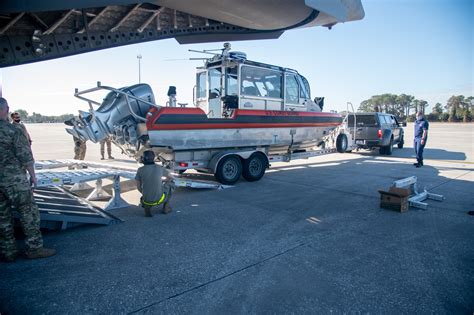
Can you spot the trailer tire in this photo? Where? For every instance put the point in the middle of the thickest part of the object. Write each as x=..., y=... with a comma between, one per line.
x=254, y=167
x=341, y=143
x=229, y=170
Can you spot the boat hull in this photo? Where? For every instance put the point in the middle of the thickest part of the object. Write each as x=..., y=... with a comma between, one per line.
x=190, y=129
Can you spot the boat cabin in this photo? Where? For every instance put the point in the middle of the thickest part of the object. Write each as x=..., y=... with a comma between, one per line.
x=229, y=81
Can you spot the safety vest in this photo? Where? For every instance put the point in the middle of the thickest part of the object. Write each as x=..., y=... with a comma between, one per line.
x=156, y=202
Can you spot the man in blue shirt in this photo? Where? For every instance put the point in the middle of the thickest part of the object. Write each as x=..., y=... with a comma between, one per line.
x=421, y=136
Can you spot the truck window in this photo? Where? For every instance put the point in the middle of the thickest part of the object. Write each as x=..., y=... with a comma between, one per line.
x=386, y=120
x=393, y=121
x=363, y=120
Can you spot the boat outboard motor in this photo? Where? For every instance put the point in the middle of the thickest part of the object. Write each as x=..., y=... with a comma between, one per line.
x=115, y=117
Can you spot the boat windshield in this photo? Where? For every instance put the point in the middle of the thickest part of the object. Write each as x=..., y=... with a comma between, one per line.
x=231, y=83
x=201, y=85
x=214, y=83
x=261, y=82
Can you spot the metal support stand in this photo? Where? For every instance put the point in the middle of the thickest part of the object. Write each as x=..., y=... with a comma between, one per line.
x=416, y=198
x=117, y=201
x=80, y=187
x=98, y=193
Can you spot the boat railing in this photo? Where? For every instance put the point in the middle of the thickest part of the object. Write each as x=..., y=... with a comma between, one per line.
x=80, y=95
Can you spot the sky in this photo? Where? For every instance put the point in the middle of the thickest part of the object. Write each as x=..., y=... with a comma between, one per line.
x=419, y=47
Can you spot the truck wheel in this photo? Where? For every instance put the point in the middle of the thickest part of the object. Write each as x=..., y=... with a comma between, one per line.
x=341, y=143
x=229, y=170
x=254, y=167
x=401, y=143
x=382, y=150
x=389, y=148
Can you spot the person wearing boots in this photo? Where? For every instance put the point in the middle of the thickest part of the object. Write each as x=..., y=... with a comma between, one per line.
x=154, y=191
x=15, y=190
x=421, y=136
x=80, y=146
x=109, y=148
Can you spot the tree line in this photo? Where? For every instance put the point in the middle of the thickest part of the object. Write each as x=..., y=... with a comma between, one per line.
x=38, y=118
x=457, y=108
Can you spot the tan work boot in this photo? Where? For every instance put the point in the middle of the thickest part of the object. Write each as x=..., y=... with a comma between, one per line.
x=148, y=213
x=40, y=253
x=167, y=208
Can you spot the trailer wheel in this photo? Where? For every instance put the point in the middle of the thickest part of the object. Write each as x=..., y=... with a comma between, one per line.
x=341, y=143
x=228, y=170
x=254, y=167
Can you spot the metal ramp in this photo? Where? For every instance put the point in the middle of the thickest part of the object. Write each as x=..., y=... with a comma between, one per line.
x=61, y=209
x=70, y=177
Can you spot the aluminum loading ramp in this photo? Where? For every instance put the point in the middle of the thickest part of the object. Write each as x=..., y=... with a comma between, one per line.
x=59, y=210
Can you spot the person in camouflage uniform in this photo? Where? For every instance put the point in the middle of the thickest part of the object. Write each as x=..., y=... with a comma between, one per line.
x=15, y=190
x=79, y=149
x=109, y=148
x=79, y=145
x=16, y=121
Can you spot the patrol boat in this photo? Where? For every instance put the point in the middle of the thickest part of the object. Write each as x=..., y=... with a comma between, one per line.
x=238, y=103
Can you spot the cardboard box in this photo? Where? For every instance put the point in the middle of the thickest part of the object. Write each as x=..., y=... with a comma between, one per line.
x=394, y=199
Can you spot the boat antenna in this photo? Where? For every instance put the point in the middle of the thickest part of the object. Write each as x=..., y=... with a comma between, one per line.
x=224, y=52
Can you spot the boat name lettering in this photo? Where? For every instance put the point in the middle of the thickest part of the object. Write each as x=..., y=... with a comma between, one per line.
x=280, y=113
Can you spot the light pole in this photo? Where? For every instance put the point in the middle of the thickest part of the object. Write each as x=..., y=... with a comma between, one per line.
x=139, y=57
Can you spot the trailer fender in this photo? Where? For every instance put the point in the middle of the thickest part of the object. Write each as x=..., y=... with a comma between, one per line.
x=242, y=154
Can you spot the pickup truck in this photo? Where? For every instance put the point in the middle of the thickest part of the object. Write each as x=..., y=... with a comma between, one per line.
x=376, y=130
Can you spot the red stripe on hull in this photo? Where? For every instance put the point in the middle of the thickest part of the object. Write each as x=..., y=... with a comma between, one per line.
x=236, y=126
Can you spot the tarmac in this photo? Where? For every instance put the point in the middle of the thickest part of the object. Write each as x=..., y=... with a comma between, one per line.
x=310, y=237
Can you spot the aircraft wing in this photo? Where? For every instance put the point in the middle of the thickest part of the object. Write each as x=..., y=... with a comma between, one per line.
x=32, y=30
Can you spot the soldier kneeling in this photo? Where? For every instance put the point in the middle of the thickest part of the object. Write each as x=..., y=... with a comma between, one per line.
x=154, y=191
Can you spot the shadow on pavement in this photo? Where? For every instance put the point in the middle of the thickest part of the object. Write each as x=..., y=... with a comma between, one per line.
x=306, y=238
x=429, y=154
